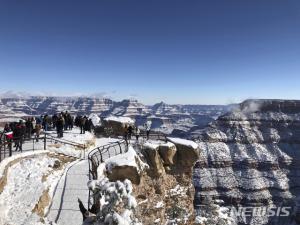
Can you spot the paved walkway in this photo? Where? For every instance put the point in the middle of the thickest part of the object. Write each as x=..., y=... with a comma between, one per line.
x=65, y=210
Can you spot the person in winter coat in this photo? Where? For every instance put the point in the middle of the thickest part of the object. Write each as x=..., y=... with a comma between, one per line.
x=137, y=133
x=8, y=137
x=29, y=127
x=88, y=125
x=18, y=136
x=66, y=119
x=82, y=125
x=148, y=128
x=46, y=122
x=130, y=129
x=60, y=126
x=70, y=121
x=38, y=128
x=33, y=122
x=54, y=121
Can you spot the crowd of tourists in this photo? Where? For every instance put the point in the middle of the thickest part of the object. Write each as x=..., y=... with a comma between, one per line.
x=17, y=132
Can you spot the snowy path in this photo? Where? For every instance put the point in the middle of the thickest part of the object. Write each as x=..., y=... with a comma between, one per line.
x=64, y=209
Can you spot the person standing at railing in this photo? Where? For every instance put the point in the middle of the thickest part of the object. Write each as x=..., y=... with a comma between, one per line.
x=130, y=129
x=137, y=133
x=148, y=128
x=60, y=126
x=29, y=127
x=38, y=128
x=54, y=121
x=46, y=122
x=70, y=121
x=8, y=137
x=18, y=136
x=82, y=125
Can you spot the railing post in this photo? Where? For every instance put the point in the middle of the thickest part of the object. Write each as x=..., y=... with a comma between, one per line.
x=4, y=150
x=45, y=146
x=10, y=148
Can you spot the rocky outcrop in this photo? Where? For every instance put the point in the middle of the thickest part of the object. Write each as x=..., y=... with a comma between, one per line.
x=251, y=157
x=164, y=194
x=117, y=125
x=125, y=166
x=151, y=154
x=186, y=155
x=167, y=152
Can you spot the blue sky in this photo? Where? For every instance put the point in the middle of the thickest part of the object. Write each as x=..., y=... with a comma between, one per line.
x=203, y=52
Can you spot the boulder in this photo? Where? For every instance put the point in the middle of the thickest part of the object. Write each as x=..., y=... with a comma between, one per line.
x=117, y=124
x=187, y=153
x=167, y=152
x=151, y=154
x=125, y=166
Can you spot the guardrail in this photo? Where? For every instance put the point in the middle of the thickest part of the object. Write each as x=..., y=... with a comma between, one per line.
x=6, y=146
x=99, y=155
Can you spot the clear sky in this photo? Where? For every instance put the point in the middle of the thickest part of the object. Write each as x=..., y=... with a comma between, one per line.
x=209, y=52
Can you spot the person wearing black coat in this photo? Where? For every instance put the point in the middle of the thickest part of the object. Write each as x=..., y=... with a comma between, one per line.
x=60, y=126
x=18, y=136
x=83, y=120
x=29, y=128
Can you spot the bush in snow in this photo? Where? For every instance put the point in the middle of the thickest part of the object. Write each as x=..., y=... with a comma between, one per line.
x=115, y=202
x=213, y=214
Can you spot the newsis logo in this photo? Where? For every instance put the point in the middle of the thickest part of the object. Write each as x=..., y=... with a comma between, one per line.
x=260, y=211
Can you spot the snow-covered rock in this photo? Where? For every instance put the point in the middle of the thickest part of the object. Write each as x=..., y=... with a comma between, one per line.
x=125, y=166
x=187, y=153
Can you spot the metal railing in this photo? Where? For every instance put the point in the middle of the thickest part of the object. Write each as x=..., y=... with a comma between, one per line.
x=98, y=156
x=6, y=146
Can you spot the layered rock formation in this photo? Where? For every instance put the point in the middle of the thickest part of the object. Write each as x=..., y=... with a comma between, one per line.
x=250, y=157
x=179, y=119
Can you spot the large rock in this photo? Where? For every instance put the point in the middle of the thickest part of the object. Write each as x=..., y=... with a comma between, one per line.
x=186, y=154
x=151, y=153
x=117, y=124
x=167, y=152
x=125, y=166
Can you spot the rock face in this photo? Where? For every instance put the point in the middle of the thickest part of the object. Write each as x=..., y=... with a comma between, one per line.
x=186, y=155
x=151, y=153
x=250, y=157
x=167, y=152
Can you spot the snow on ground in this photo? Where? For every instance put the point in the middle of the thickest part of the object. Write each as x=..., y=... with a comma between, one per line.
x=26, y=182
x=6, y=161
x=73, y=137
